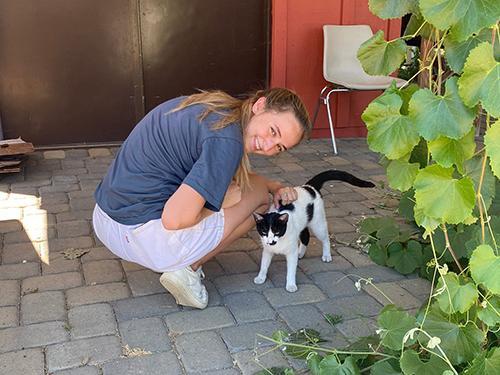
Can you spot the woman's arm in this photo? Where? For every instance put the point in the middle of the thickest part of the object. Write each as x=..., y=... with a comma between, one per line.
x=184, y=209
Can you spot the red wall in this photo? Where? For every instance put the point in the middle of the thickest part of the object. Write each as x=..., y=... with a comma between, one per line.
x=297, y=56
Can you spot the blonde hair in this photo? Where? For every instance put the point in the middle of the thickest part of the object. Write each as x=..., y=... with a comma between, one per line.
x=234, y=110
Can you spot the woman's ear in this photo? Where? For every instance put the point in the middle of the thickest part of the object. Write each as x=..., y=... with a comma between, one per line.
x=259, y=105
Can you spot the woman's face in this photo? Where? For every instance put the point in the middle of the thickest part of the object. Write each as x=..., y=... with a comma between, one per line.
x=270, y=132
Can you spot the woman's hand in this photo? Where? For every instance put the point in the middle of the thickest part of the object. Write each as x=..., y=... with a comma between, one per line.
x=233, y=195
x=285, y=194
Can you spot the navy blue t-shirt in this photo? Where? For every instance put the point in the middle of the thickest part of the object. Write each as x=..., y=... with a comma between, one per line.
x=163, y=151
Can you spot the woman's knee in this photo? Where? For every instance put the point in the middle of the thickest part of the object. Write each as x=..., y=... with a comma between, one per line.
x=260, y=189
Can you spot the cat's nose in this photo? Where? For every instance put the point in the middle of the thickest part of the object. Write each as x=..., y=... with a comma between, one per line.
x=272, y=243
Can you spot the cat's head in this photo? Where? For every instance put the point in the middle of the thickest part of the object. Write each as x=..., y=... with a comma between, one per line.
x=271, y=226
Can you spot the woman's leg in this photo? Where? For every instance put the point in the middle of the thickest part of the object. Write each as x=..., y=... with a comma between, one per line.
x=238, y=219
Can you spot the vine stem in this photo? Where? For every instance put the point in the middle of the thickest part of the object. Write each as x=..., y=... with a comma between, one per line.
x=326, y=350
x=450, y=249
x=480, y=186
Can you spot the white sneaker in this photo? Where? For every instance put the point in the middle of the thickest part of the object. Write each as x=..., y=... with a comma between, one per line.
x=186, y=287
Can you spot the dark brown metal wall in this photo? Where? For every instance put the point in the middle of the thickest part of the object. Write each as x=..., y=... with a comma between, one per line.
x=74, y=72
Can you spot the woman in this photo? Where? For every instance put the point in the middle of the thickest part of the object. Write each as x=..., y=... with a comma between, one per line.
x=180, y=189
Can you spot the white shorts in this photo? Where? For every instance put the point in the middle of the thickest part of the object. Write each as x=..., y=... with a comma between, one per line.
x=156, y=248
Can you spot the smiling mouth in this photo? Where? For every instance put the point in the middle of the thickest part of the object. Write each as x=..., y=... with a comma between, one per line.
x=257, y=145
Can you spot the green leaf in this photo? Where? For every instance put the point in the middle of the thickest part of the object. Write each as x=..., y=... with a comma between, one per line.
x=443, y=13
x=457, y=51
x=389, y=132
x=486, y=363
x=442, y=197
x=405, y=259
x=473, y=169
x=492, y=143
x=446, y=151
x=386, y=9
x=401, y=174
x=459, y=295
x=461, y=343
x=407, y=204
x=379, y=57
x=390, y=367
x=378, y=254
x=491, y=313
x=331, y=366
x=334, y=319
x=395, y=324
x=415, y=24
x=480, y=81
x=276, y=371
x=372, y=225
x=411, y=364
x=479, y=14
x=307, y=337
x=427, y=222
x=484, y=266
x=420, y=154
x=313, y=360
x=437, y=115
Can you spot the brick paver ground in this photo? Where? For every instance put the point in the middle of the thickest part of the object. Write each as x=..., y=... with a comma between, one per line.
x=95, y=313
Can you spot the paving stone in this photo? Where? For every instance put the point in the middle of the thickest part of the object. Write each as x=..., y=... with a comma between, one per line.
x=203, y=351
x=356, y=328
x=155, y=364
x=9, y=292
x=277, y=274
x=19, y=271
x=8, y=317
x=243, y=244
x=98, y=253
x=73, y=229
x=18, y=246
x=199, y=320
x=58, y=281
x=306, y=293
x=42, y=307
x=214, y=297
x=60, y=244
x=314, y=265
x=418, y=287
x=307, y=316
x=145, y=282
x=82, y=203
x=31, y=336
x=25, y=362
x=54, y=154
x=378, y=273
x=360, y=305
x=237, y=262
x=93, y=351
x=398, y=295
x=335, y=284
x=91, y=320
x=131, y=266
x=102, y=271
x=78, y=153
x=249, y=307
x=355, y=257
x=60, y=265
x=143, y=307
x=212, y=269
x=239, y=283
x=227, y=371
x=87, y=295
x=247, y=360
x=99, y=152
x=7, y=226
x=149, y=334
x=74, y=215
x=85, y=370
x=245, y=337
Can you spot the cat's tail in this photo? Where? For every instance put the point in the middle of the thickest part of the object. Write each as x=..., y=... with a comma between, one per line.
x=318, y=180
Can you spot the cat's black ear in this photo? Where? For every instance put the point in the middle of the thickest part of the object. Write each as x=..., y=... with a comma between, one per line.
x=283, y=217
x=258, y=217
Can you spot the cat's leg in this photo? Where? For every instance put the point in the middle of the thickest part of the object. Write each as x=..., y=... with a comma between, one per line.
x=319, y=227
x=292, y=259
x=264, y=266
x=304, y=241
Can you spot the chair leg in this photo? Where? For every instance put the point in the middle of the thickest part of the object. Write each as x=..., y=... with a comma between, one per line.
x=330, y=122
x=320, y=99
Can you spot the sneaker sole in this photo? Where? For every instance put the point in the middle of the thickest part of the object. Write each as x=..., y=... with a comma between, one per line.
x=181, y=294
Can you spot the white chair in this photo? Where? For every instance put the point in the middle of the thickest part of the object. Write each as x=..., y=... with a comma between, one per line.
x=342, y=69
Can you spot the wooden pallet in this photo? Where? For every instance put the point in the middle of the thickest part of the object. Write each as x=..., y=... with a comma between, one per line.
x=13, y=153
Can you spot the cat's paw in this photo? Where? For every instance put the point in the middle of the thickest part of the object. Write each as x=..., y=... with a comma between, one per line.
x=326, y=258
x=259, y=280
x=291, y=288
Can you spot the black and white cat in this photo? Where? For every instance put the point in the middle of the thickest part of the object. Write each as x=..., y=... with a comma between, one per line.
x=285, y=230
